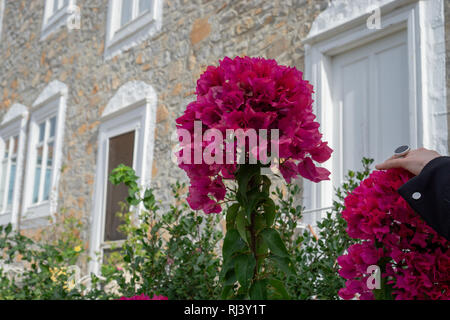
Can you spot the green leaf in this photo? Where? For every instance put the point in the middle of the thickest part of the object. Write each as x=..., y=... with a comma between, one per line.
x=243, y=176
x=279, y=287
x=260, y=223
x=232, y=243
x=230, y=278
x=258, y=290
x=8, y=228
x=254, y=200
x=244, y=266
x=269, y=211
x=231, y=215
x=284, y=264
x=227, y=266
x=226, y=292
x=261, y=246
x=273, y=240
x=241, y=224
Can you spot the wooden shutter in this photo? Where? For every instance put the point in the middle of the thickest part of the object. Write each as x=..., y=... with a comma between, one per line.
x=121, y=149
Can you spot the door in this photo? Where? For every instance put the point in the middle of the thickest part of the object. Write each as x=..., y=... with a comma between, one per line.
x=120, y=151
x=370, y=101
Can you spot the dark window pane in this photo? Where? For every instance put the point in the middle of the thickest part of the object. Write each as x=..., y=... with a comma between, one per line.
x=120, y=152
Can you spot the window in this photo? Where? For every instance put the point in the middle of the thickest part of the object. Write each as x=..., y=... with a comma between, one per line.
x=373, y=85
x=126, y=136
x=8, y=172
x=131, y=22
x=12, y=140
x=44, y=150
x=133, y=9
x=44, y=155
x=56, y=14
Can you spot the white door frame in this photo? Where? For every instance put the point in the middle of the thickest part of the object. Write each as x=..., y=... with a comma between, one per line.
x=132, y=108
x=423, y=22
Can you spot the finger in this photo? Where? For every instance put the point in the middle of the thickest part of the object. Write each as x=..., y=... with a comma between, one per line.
x=379, y=164
x=391, y=163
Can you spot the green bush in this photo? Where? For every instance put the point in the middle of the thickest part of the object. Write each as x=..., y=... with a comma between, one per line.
x=37, y=270
x=315, y=255
x=172, y=253
x=175, y=252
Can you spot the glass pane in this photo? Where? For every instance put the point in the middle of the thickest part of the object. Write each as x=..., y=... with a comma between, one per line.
x=37, y=175
x=16, y=143
x=52, y=126
x=2, y=183
x=41, y=131
x=65, y=3
x=6, y=149
x=12, y=178
x=55, y=6
x=48, y=172
x=127, y=12
x=144, y=5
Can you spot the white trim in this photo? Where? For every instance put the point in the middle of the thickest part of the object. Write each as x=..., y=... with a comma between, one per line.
x=51, y=102
x=2, y=9
x=54, y=20
x=140, y=28
x=342, y=27
x=133, y=108
x=14, y=123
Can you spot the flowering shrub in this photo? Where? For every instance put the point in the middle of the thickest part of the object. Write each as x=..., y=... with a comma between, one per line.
x=315, y=253
x=414, y=259
x=144, y=297
x=246, y=95
x=251, y=93
x=171, y=252
x=31, y=269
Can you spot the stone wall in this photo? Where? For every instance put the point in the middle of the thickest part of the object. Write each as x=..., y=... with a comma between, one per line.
x=195, y=33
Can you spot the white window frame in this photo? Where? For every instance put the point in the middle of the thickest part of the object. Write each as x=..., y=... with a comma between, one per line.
x=14, y=124
x=54, y=20
x=341, y=29
x=131, y=109
x=2, y=9
x=141, y=27
x=51, y=102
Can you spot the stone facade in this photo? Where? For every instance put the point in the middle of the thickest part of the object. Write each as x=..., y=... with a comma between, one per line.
x=194, y=34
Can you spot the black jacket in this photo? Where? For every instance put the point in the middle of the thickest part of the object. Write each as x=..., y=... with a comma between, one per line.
x=429, y=195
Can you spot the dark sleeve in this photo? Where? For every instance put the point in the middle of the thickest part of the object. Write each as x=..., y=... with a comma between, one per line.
x=429, y=195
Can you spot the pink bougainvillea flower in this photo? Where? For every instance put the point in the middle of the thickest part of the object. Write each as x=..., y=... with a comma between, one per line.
x=416, y=258
x=251, y=93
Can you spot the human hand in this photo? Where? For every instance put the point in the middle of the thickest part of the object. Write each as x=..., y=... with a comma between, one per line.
x=414, y=161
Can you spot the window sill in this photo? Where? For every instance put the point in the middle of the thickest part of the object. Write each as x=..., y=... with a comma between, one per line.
x=56, y=21
x=5, y=218
x=36, y=215
x=131, y=34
